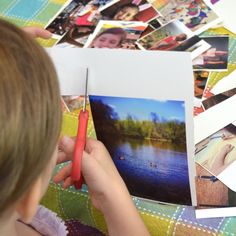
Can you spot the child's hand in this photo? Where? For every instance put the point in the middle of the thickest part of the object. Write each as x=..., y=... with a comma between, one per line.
x=37, y=32
x=106, y=188
x=98, y=170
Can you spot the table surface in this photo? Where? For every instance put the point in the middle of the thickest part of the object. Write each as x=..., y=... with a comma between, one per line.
x=160, y=219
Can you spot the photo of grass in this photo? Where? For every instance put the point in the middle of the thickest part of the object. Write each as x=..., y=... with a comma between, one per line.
x=147, y=142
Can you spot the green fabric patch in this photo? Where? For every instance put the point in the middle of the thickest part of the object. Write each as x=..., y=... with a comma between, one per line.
x=46, y=14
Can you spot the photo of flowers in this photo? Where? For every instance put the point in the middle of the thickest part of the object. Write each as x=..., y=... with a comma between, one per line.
x=147, y=142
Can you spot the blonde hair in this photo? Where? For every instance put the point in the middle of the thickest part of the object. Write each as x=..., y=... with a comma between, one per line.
x=30, y=116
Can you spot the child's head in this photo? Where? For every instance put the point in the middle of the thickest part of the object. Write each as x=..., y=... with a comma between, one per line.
x=30, y=121
x=126, y=12
x=110, y=38
x=181, y=37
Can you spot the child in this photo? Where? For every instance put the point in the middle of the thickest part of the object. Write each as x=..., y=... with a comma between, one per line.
x=37, y=32
x=169, y=43
x=109, y=38
x=30, y=122
x=126, y=12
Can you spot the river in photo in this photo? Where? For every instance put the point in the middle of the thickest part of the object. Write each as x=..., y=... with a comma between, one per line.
x=152, y=169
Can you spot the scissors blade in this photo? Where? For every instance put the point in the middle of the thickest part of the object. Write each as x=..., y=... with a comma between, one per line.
x=85, y=92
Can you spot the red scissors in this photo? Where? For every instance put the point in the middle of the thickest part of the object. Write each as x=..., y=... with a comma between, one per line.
x=80, y=141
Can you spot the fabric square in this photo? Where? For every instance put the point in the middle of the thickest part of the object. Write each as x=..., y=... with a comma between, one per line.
x=188, y=229
x=51, y=200
x=157, y=225
x=99, y=220
x=161, y=210
x=45, y=15
x=188, y=217
x=26, y=9
x=75, y=205
x=228, y=227
x=5, y=4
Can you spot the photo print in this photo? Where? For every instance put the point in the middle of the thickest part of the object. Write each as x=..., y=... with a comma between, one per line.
x=214, y=1
x=73, y=103
x=200, y=81
x=215, y=58
x=76, y=37
x=195, y=14
x=211, y=192
x=198, y=108
x=147, y=141
x=66, y=19
x=152, y=25
x=116, y=34
x=217, y=152
x=174, y=36
x=218, y=98
x=155, y=23
x=127, y=10
x=74, y=20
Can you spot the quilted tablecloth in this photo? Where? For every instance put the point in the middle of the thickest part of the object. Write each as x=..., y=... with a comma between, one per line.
x=75, y=206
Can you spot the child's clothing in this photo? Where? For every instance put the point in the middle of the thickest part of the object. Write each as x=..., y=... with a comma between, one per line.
x=47, y=223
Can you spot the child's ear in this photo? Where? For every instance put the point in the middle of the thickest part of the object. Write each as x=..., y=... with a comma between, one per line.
x=28, y=204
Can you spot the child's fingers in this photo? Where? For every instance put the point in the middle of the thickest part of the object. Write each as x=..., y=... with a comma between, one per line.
x=38, y=32
x=92, y=144
x=63, y=174
x=67, y=183
x=66, y=144
x=62, y=157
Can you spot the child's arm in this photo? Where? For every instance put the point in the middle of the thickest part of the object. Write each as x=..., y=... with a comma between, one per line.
x=106, y=188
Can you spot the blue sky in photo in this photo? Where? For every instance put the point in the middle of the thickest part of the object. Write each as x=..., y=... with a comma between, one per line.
x=141, y=108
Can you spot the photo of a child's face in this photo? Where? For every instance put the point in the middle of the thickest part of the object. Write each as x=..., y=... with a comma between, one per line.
x=116, y=34
x=126, y=13
x=107, y=41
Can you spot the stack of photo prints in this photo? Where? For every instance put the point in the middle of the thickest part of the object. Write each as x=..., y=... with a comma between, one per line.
x=152, y=141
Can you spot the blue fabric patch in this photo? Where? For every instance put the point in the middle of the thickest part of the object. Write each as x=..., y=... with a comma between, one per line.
x=25, y=9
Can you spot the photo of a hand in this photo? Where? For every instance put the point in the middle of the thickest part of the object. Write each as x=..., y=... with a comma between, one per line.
x=219, y=163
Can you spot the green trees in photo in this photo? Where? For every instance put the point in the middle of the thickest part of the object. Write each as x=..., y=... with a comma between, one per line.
x=107, y=122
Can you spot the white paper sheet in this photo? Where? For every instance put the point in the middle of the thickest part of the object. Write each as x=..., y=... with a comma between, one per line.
x=206, y=124
x=225, y=84
x=214, y=119
x=138, y=74
x=226, y=10
x=216, y=212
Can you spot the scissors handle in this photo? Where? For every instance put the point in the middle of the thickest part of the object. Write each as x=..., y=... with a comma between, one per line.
x=79, y=148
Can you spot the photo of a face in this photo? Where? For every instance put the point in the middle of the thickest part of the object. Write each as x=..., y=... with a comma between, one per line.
x=109, y=39
x=126, y=13
x=215, y=58
x=147, y=142
x=218, y=151
x=116, y=34
x=129, y=10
